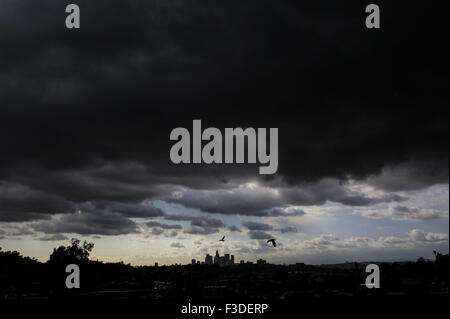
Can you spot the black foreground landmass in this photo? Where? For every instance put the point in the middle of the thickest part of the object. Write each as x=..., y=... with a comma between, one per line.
x=27, y=278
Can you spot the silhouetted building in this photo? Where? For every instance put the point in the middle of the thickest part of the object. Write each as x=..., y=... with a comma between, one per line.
x=225, y=260
x=217, y=258
x=193, y=261
x=156, y=264
x=261, y=262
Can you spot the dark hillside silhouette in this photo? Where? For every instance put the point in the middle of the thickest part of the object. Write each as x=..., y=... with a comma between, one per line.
x=24, y=277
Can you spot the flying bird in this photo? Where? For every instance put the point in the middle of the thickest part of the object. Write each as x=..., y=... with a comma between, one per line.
x=273, y=242
x=223, y=238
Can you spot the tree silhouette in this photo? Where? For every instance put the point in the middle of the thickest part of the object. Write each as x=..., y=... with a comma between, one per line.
x=421, y=260
x=72, y=253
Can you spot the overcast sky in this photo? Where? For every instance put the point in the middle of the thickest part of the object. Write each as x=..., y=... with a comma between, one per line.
x=362, y=116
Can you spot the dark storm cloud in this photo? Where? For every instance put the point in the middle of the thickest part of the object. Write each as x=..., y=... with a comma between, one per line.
x=21, y=203
x=104, y=218
x=125, y=182
x=411, y=175
x=126, y=209
x=86, y=114
x=88, y=223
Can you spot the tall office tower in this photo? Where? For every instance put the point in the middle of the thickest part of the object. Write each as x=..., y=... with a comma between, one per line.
x=217, y=257
x=227, y=259
x=208, y=259
x=232, y=259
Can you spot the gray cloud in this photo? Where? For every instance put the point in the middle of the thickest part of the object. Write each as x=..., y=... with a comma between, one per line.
x=401, y=212
x=20, y=230
x=257, y=234
x=265, y=201
x=412, y=175
x=288, y=229
x=172, y=233
x=163, y=226
x=287, y=212
x=157, y=231
x=198, y=230
x=420, y=235
x=177, y=245
x=234, y=229
x=257, y=226
x=196, y=220
x=54, y=237
x=414, y=239
x=199, y=225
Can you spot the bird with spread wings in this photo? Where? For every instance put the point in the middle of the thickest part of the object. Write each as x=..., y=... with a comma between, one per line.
x=273, y=242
